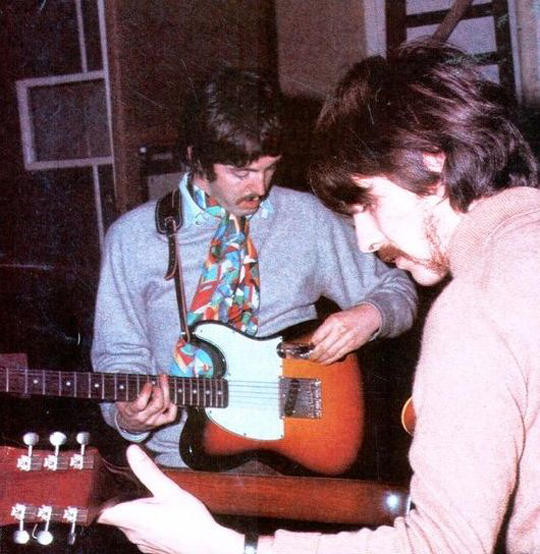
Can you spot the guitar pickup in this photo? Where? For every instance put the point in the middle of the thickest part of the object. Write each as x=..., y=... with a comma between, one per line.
x=300, y=398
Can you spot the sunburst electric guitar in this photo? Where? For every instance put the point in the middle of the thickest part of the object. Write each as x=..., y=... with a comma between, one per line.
x=295, y=415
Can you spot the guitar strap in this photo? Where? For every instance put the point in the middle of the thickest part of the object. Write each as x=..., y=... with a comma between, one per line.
x=168, y=222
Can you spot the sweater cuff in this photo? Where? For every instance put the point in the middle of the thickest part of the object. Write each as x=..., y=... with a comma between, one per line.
x=379, y=332
x=132, y=436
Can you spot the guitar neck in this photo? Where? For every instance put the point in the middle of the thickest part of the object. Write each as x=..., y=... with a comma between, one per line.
x=125, y=387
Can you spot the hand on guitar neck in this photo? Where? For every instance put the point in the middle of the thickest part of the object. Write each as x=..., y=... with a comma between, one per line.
x=151, y=409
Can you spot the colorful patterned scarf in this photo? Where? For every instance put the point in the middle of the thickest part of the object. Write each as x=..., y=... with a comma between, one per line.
x=228, y=289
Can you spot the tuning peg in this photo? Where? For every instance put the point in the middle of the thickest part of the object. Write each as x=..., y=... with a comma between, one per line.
x=26, y=462
x=83, y=438
x=20, y=536
x=77, y=461
x=70, y=515
x=44, y=537
x=57, y=439
x=30, y=439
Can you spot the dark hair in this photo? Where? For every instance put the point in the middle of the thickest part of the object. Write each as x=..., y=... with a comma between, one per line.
x=426, y=98
x=233, y=118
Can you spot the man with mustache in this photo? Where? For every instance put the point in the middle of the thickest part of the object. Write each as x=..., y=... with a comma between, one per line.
x=423, y=153
x=255, y=257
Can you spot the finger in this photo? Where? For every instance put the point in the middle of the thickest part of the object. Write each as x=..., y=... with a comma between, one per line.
x=156, y=404
x=140, y=403
x=165, y=390
x=321, y=332
x=332, y=349
x=170, y=413
x=149, y=474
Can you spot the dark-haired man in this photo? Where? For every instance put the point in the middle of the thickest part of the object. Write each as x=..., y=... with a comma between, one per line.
x=422, y=152
x=253, y=257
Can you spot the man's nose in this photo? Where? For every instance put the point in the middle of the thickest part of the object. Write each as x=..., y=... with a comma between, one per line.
x=258, y=185
x=368, y=235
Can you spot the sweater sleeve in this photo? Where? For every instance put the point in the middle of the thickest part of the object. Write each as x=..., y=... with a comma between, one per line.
x=350, y=277
x=120, y=342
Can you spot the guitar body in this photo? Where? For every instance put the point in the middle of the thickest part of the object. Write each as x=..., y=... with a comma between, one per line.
x=254, y=424
x=408, y=417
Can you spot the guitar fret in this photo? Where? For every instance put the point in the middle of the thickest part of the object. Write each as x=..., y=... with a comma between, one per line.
x=200, y=392
x=178, y=392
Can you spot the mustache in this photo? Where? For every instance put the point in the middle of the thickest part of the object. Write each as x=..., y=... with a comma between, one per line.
x=249, y=198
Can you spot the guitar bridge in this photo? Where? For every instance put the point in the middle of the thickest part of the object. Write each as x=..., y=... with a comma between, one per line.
x=300, y=398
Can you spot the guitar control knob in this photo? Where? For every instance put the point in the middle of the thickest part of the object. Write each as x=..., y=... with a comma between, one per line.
x=44, y=537
x=21, y=536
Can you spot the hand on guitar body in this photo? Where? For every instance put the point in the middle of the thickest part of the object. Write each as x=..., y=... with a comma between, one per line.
x=172, y=521
x=344, y=332
x=151, y=409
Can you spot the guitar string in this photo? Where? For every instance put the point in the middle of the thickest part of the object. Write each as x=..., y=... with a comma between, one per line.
x=243, y=391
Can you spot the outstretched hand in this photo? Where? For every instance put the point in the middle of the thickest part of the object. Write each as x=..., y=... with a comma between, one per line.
x=172, y=521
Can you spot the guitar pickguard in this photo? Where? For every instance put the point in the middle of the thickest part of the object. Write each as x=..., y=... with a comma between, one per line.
x=253, y=370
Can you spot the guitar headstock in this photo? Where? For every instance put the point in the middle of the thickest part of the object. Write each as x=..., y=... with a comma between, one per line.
x=41, y=487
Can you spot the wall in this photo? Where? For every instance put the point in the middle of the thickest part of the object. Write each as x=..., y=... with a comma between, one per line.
x=317, y=42
x=156, y=49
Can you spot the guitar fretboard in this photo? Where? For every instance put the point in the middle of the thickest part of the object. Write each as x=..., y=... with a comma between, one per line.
x=185, y=391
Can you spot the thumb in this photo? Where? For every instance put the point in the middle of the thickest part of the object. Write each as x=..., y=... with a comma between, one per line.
x=148, y=473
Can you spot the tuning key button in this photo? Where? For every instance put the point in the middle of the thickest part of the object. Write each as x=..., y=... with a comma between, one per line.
x=24, y=463
x=83, y=438
x=21, y=536
x=70, y=515
x=57, y=439
x=44, y=537
x=30, y=439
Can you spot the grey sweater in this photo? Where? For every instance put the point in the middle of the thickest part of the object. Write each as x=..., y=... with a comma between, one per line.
x=305, y=252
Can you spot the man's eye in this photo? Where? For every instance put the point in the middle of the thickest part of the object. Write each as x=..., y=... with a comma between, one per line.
x=241, y=174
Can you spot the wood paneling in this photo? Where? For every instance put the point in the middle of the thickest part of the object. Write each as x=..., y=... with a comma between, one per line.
x=157, y=48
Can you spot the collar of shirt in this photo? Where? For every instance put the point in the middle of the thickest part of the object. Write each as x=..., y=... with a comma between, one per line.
x=194, y=215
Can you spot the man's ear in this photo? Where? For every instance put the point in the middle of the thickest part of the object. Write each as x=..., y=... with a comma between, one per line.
x=434, y=162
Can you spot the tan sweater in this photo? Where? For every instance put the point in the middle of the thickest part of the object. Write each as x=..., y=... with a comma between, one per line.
x=476, y=448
